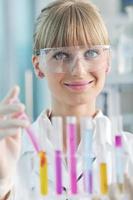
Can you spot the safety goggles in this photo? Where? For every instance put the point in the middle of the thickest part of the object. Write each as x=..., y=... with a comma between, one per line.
x=67, y=59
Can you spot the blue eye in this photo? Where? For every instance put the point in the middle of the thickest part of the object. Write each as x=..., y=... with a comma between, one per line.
x=61, y=56
x=92, y=53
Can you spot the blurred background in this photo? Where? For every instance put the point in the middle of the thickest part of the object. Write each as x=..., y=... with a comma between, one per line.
x=17, y=20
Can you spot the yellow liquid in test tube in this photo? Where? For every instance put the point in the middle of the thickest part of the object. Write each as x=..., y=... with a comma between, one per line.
x=43, y=173
x=103, y=179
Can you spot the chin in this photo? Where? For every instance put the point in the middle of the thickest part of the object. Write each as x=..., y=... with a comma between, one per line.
x=76, y=101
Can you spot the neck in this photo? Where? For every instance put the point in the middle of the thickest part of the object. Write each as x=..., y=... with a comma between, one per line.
x=77, y=111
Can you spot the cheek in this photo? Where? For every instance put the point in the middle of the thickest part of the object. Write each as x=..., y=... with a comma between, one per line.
x=100, y=77
x=54, y=81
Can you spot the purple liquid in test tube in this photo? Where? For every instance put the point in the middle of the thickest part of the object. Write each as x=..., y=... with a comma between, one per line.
x=118, y=141
x=71, y=142
x=58, y=172
x=90, y=178
x=57, y=134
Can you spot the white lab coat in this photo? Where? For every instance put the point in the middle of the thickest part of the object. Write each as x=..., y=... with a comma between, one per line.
x=26, y=181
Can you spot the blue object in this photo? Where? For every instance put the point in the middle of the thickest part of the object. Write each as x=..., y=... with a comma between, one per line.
x=126, y=3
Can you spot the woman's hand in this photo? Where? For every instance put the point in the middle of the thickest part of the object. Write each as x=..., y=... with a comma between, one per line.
x=114, y=192
x=128, y=187
x=10, y=133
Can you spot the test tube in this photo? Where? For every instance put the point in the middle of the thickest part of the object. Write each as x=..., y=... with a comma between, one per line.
x=103, y=178
x=43, y=168
x=29, y=130
x=87, y=132
x=101, y=125
x=117, y=127
x=119, y=162
x=43, y=173
x=71, y=146
x=58, y=135
x=43, y=158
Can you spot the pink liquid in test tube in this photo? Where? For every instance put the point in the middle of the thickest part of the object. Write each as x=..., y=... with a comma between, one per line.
x=71, y=139
x=29, y=131
x=31, y=134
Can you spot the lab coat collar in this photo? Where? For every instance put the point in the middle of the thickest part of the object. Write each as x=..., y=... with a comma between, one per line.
x=46, y=115
x=43, y=126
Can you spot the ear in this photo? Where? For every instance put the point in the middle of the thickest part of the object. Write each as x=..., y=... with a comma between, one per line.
x=37, y=70
x=108, y=69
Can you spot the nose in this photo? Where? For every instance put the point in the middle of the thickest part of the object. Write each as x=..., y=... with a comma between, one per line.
x=78, y=67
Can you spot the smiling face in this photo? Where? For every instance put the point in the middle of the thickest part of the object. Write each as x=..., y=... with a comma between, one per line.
x=77, y=87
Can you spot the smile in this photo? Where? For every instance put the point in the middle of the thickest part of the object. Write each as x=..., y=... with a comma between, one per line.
x=79, y=85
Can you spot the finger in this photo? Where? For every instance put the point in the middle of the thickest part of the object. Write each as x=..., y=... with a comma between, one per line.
x=113, y=192
x=96, y=197
x=11, y=108
x=13, y=94
x=20, y=115
x=128, y=184
x=8, y=133
x=13, y=123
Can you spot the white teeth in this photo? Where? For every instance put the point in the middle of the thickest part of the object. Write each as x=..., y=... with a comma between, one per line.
x=71, y=84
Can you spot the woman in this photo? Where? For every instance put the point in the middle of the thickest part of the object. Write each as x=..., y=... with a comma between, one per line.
x=71, y=50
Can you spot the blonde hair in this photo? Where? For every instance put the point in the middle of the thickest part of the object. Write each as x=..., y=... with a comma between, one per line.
x=68, y=23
